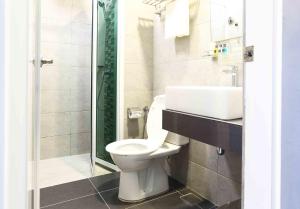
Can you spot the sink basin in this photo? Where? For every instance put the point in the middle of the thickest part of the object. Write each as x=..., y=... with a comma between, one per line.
x=224, y=103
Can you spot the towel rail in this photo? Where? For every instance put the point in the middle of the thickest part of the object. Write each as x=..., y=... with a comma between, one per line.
x=160, y=5
x=152, y=2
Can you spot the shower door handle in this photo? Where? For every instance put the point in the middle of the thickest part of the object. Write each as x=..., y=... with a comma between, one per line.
x=46, y=62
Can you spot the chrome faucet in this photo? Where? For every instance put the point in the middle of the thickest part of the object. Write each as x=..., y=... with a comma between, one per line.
x=234, y=73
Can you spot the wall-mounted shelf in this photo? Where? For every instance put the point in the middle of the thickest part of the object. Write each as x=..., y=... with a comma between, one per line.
x=219, y=133
x=153, y=2
x=160, y=5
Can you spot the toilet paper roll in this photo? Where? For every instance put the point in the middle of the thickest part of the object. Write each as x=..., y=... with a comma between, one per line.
x=134, y=113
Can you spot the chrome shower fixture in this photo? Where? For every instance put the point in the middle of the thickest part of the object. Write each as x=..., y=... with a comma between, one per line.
x=101, y=4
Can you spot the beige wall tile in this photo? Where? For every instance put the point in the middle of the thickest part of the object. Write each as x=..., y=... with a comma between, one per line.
x=80, y=56
x=80, y=79
x=199, y=11
x=55, y=78
x=80, y=99
x=134, y=12
x=138, y=49
x=228, y=190
x=230, y=166
x=81, y=34
x=203, y=181
x=80, y=143
x=138, y=77
x=172, y=138
x=56, y=146
x=201, y=41
x=54, y=31
x=178, y=165
x=204, y=155
x=81, y=11
x=54, y=124
x=59, y=10
x=80, y=122
x=55, y=101
x=133, y=128
x=60, y=53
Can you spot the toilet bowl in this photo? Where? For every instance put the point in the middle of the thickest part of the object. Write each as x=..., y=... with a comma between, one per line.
x=141, y=161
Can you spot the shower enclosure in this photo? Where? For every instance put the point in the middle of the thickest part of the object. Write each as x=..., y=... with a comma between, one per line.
x=105, y=81
x=60, y=88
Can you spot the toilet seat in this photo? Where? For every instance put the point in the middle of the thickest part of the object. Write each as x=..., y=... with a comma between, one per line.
x=156, y=134
x=131, y=147
x=165, y=150
x=141, y=148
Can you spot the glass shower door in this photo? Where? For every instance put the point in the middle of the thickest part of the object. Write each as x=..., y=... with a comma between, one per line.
x=106, y=78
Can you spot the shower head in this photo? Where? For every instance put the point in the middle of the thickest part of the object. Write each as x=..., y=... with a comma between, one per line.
x=101, y=4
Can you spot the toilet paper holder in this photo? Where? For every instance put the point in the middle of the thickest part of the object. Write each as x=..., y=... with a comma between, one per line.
x=134, y=112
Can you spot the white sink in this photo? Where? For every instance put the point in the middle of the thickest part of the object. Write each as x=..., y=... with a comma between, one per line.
x=224, y=103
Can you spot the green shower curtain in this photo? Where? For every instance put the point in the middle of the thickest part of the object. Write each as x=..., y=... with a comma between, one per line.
x=106, y=77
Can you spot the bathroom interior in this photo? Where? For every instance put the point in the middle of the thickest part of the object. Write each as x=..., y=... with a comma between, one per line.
x=141, y=104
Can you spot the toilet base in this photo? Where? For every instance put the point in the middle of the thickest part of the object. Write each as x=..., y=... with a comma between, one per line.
x=139, y=185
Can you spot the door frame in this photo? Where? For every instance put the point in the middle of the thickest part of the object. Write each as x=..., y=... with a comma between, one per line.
x=15, y=102
x=262, y=103
x=2, y=105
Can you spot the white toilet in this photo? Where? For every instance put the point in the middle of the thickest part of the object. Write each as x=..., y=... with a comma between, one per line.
x=142, y=161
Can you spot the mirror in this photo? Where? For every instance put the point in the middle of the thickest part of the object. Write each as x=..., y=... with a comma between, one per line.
x=226, y=19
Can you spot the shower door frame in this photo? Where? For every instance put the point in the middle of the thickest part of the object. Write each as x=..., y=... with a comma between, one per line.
x=120, y=81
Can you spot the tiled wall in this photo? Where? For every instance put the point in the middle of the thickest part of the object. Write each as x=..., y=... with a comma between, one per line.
x=217, y=178
x=65, y=85
x=138, y=67
x=181, y=61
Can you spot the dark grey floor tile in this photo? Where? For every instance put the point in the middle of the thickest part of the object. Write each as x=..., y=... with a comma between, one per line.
x=171, y=201
x=64, y=192
x=89, y=202
x=106, y=182
x=175, y=185
x=111, y=198
x=194, y=197
x=233, y=205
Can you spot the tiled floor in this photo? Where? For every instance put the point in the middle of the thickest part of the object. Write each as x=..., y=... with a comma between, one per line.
x=61, y=170
x=102, y=193
x=233, y=205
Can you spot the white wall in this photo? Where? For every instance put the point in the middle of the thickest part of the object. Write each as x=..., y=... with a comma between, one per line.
x=2, y=100
x=290, y=106
x=16, y=63
x=258, y=109
x=262, y=102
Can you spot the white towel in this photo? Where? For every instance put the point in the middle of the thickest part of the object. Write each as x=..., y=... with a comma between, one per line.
x=177, y=22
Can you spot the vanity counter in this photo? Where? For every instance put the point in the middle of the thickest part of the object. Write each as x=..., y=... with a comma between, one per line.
x=215, y=132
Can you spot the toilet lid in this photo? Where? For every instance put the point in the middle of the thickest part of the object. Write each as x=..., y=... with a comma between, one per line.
x=156, y=135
